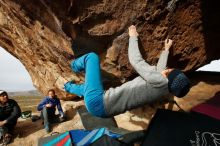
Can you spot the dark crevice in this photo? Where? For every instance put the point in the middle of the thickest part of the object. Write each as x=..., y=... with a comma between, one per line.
x=176, y=62
x=212, y=78
x=211, y=28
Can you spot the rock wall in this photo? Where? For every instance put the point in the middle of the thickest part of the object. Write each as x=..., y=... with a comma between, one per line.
x=38, y=33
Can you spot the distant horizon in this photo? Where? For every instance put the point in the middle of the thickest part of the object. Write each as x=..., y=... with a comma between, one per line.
x=24, y=90
x=21, y=81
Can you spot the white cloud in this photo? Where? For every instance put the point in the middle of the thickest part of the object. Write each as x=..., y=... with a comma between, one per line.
x=13, y=75
x=213, y=66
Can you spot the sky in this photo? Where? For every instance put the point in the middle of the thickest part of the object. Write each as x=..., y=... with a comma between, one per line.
x=14, y=76
x=213, y=66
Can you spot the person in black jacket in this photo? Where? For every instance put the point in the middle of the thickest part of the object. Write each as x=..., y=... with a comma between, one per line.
x=9, y=114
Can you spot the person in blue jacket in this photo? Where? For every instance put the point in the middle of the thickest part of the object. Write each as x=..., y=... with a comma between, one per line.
x=48, y=107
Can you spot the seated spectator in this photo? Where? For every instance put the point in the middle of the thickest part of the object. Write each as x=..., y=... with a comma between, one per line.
x=48, y=107
x=9, y=114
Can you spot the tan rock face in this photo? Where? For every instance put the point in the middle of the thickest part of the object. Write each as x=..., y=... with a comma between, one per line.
x=36, y=32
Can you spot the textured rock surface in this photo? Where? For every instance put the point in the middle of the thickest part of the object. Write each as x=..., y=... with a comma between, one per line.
x=36, y=32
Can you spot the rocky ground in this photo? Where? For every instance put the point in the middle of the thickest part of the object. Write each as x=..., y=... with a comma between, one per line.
x=205, y=86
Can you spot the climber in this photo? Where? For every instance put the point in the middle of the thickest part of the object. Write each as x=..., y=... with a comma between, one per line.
x=152, y=83
x=48, y=107
x=9, y=114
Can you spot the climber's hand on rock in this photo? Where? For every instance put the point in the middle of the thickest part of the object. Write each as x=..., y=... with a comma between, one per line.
x=132, y=31
x=167, y=44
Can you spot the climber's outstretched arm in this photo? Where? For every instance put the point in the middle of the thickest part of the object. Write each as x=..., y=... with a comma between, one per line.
x=146, y=71
x=162, y=62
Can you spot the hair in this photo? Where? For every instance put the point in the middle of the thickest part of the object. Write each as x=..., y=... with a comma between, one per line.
x=51, y=90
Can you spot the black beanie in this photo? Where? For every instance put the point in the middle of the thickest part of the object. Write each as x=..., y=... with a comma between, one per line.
x=3, y=92
x=178, y=83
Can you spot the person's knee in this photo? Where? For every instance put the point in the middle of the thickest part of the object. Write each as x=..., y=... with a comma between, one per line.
x=9, y=127
x=79, y=65
x=93, y=55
